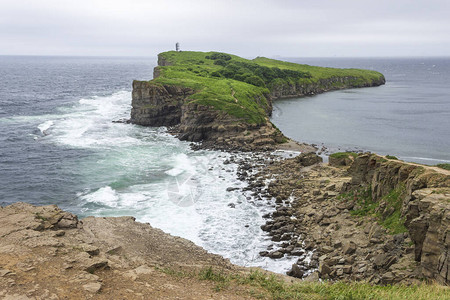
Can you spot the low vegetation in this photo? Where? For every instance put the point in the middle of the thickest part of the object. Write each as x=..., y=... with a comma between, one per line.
x=339, y=155
x=389, y=217
x=444, y=166
x=391, y=157
x=263, y=286
x=239, y=86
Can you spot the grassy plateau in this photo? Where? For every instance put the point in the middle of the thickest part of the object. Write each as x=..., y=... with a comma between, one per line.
x=240, y=87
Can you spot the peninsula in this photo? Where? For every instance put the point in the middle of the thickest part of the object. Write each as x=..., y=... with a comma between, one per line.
x=225, y=101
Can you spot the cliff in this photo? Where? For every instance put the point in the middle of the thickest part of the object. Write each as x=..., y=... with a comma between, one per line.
x=418, y=197
x=362, y=217
x=225, y=101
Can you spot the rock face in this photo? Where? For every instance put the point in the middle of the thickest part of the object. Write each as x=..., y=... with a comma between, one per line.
x=321, y=86
x=425, y=206
x=157, y=105
x=319, y=219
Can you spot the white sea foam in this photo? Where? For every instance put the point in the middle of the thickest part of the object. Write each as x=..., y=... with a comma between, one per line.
x=149, y=174
x=105, y=196
x=44, y=127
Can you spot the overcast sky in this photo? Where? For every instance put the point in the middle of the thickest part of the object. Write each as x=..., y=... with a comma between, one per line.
x=247, y=28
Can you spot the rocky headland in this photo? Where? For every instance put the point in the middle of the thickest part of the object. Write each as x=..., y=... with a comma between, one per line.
x=225, y=101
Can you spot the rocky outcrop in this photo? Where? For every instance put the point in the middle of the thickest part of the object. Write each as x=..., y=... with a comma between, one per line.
x=425, y=205
x=157, y=105
x=47, y=253
x=165, y=105
x=319, y=218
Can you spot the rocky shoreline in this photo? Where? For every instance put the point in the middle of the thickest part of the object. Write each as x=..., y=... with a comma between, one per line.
x=320, y=218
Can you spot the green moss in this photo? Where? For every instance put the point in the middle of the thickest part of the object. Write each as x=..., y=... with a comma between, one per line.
x=239, y=87
x=444, y=166
x=339, y=155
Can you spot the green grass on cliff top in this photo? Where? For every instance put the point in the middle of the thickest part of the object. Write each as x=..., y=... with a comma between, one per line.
x=233, y=92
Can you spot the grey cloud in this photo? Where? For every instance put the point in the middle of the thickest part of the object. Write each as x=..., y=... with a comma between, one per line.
x=247, y=28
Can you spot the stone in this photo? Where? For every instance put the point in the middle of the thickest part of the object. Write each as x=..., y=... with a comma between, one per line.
x=296, y=271
x=91, y=250
x=308, y=159
x=337, y=244
x=95, y=264
x=297, y=252
x=4, y=272
x=324, y=269
x=327, y=249
x=143, y=270
x=349, y=248
x=347, y=269
x=384, y=260
x=276, y=254
x=93, y=287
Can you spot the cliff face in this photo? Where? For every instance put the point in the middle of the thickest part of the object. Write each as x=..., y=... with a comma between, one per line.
x=166, y=105
x=425, y=199
x=169, y=105
x=156, y=105
x=323, y=85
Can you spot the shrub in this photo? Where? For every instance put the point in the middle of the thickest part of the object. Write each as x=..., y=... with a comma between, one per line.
x=444, y=166
x=391, y=157
x=220, y=62
x=255, y=80
x=217, y=55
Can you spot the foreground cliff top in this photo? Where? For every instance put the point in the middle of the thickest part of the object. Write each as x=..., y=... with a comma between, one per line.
x=231, y=83
x=46, y=253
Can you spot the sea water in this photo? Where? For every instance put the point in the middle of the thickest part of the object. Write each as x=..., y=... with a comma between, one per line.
x=58, y=145
x=408, y=117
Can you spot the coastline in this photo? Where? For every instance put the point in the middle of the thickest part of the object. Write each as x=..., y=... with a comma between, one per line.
x=40, y=243
x=217, y=130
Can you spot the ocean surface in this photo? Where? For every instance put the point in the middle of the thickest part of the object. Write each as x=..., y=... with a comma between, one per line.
x=408, y=117
x=58, y=144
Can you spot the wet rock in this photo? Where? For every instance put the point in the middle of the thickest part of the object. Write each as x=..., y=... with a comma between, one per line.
x=276, y=254
x=297, y=252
